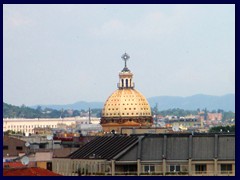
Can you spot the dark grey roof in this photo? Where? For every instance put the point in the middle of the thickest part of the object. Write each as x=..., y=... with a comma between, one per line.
x=155, y=147
x=104, y=147
x=226, y=147
x=203, y=148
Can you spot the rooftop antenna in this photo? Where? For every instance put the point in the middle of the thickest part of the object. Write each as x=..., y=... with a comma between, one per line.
x=175, y=128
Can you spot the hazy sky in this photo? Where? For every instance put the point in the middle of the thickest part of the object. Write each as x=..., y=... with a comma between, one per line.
x=57, y=54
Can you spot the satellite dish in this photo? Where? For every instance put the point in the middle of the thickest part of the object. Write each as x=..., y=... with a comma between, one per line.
x=49, y=137
x=27, y=144
x=25, y=160
x=175, y=128
x=162, y=124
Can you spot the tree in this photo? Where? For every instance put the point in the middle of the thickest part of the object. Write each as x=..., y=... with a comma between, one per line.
x=76, y=113
x=220, y=111
x=39, y=108
x=228, y=115
x=8, y=132
x=222, y=129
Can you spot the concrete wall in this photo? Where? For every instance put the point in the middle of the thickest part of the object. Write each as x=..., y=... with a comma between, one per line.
x=69, y=167
x=42, y=164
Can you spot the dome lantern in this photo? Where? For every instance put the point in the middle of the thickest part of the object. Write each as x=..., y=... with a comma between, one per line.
x=125, y=76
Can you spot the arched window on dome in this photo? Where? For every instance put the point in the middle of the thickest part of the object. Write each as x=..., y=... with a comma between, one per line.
x=126, y=82
x=122, y=83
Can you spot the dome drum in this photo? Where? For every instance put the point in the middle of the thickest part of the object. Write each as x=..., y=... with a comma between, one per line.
x=142, y=121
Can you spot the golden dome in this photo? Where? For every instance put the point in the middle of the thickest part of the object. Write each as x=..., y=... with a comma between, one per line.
x=126, y=106
x=126, y=103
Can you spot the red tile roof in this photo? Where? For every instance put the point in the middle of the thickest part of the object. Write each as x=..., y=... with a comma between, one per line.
x=13, y=164
x=33, y=171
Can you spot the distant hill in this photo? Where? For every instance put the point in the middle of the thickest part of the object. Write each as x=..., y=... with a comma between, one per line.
x=78, y=106
x=226, y=102
x=16, y=111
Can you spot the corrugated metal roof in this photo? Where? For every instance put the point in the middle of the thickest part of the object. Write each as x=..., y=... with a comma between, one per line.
x=104, y=147
x=158, y=146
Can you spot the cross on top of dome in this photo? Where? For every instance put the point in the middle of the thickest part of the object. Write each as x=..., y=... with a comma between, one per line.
x=125, y=57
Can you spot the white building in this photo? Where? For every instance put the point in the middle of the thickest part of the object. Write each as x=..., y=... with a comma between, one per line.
x=27, y=125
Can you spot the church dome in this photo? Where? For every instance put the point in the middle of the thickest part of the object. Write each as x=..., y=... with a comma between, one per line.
x=126, y=103
x=125, y=107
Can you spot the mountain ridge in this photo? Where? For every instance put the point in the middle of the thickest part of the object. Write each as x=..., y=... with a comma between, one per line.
x=201, y=101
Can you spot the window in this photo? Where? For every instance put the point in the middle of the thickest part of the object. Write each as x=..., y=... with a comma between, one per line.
x=42, y=146
x=129, y=168
x=19, y=148
x=5, y=147
x=149, y=168
x=174, y=168
x=200, y=168
x=226, y=168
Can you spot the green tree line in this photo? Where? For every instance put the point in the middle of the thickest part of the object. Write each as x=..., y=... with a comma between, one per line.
x=11, y=111
x=222, y=129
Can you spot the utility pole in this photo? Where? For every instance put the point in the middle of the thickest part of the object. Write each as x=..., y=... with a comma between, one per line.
x=89, y=116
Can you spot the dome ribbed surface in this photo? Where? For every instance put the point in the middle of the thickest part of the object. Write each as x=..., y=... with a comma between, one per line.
x=126, y=103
